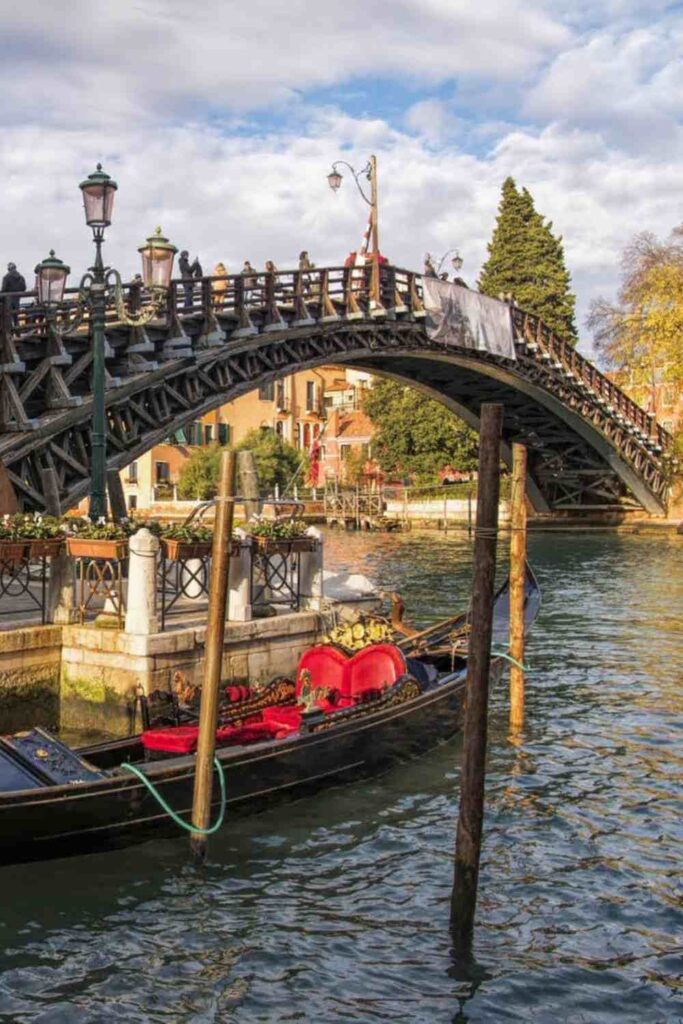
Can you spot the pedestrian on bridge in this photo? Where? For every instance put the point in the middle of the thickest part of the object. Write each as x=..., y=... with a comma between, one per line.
x=219, y=285
x=250, y=280
x=188, y=273
x=13, y=281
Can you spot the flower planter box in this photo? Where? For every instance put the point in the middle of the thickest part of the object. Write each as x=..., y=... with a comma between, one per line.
x=86, y=547
x=47, y=547
x=282, y=546
x=181, y=550
x=11, y=552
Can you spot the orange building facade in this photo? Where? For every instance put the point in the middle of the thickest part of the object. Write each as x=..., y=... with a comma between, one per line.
x=320, y=405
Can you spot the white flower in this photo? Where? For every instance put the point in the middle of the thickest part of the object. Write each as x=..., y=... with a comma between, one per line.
x=102, y=521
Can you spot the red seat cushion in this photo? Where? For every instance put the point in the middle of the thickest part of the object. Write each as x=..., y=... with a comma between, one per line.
x=175, y=739
x=374, y=668
x=326, y=666
x=283, y=717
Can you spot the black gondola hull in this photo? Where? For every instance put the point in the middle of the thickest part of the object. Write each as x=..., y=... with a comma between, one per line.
x=63, y=820
x=118, y=810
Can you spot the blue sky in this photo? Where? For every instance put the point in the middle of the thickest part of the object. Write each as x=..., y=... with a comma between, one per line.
x=220, y=121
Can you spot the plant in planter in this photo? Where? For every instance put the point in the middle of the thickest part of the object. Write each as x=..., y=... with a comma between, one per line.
x=282, y=535
x=45, y=534
x=13, y=549
x=101, y=539
x=29, y=535
x=180, y=541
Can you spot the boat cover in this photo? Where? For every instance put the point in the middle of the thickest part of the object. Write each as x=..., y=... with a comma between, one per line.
x=36, y=758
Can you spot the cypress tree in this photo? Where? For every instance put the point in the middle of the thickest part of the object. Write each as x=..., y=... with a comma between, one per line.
x=527, y=260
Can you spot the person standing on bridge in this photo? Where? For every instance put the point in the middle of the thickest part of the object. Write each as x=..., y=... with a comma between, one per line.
x=304, y=265
x=13, y=281
x=188, y=273
x=219, y=285
x=430, y=269
x=250, y=281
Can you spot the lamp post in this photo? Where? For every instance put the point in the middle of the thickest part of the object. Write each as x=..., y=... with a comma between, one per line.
x=456, y=261
x=98, y=202
x=99, y=284
x=334, y=180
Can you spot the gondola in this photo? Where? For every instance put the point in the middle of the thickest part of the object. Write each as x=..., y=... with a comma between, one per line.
x=56, y=801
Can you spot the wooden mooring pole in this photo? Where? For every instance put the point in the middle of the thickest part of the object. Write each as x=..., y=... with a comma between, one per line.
x=517, y=584
x=471, y=813
x=215, y=632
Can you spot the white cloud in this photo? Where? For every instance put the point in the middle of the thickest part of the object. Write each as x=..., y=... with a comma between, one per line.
x=579, y=102
x=628, y=86
x=94, y=62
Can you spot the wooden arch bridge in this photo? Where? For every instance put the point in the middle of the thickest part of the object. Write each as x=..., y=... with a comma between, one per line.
x=590, y=446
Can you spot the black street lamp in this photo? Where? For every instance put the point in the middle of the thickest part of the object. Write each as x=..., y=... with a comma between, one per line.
x=98, y=202
x=334, y=180
x=51, y=275
x=456, y=261
x=99, y=284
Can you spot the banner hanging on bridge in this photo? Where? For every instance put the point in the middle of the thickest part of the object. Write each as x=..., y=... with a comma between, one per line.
x=464, y=318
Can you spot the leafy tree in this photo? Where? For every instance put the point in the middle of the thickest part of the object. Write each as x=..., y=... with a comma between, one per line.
x=640, y=334
x=415, y=435
x=199, y=476
x=276, y=460
x=354, y=466
x=276, y=463
x=527, y=261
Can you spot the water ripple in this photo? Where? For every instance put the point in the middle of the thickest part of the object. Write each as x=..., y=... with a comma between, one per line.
x=335, y=909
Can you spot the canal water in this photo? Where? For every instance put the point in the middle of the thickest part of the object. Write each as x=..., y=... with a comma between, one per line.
x=335, y=909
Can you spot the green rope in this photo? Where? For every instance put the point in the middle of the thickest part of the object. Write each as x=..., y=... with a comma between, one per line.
x=508, y=657
x=169, y=810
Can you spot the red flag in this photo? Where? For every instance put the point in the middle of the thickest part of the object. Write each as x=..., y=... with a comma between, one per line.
x=314, y=469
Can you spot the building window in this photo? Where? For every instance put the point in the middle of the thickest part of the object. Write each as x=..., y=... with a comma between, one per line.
x=195, y=433
x=344, y=451
x=223, y=433
x=133, y=473
x=266, y=392
x=162, y=472
x=208, y=433
x=280, y=399
x=280, y=428
x=132, y=502
x=668, y=397
x=310, y=395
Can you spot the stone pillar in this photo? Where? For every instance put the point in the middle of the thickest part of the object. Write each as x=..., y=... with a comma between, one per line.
x=141, y=609
x=60, y=595
x=239, y=595
x=311, y=573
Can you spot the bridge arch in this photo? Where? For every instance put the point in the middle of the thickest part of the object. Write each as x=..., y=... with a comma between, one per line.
x=589, y=446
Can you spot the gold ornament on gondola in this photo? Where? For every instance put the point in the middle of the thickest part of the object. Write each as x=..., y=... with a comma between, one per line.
x=356, y=636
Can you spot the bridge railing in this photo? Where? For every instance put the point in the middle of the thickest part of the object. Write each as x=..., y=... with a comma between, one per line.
x=565, y=355
x=257, y=300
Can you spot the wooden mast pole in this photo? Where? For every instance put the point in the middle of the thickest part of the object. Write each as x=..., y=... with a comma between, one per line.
x=518, y=546
x=471, y=812
x=215, y=632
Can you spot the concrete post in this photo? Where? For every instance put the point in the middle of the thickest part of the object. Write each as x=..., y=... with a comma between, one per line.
x=141, y=609
x=60, y=594
x=239, y=595
x=311, y=573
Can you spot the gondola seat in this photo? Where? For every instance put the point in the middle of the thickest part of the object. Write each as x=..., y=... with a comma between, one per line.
x=346, y=682
x=182, y=739
x=372, y=670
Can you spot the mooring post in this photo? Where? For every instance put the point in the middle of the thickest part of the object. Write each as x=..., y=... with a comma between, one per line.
x=215, y=632
x=248, y=482
x=517, y=583
x=471, y=814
